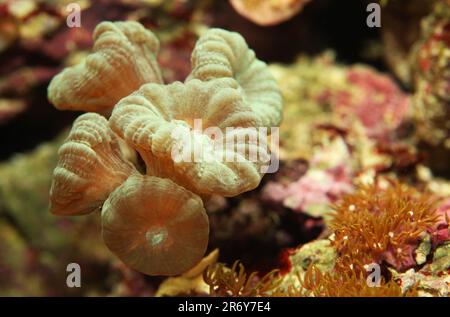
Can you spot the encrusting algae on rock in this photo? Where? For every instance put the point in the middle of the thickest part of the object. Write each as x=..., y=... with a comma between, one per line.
x=156, y=223
x=431, y=65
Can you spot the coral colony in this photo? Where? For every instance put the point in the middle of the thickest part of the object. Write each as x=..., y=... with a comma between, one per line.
x=155, y=221
x=225, y=148
x=268, y=12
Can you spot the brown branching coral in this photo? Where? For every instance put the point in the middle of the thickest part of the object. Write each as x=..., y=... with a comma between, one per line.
x=351, y=284
x=156, y=223
x=377, y=224
x=236, y=282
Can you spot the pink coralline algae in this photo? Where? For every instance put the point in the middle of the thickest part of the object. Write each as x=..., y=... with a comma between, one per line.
x=440, y=233
x=312, y=192
x=374, y=98
x=323, y=184
x=437, y=235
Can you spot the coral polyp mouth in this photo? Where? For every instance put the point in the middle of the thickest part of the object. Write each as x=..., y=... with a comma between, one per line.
x=149, y=221
x=157, y=237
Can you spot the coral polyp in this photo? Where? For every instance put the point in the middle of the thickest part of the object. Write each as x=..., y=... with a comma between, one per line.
x=379, y=224
x=350, y=284
x=235, y=281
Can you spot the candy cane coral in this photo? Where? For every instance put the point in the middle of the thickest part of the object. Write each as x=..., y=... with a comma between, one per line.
x=90, y=153
x=150, y=118
x=156, y=223
x=124, y=58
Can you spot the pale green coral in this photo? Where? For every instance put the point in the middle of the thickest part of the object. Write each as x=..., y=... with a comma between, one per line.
x=441, y=259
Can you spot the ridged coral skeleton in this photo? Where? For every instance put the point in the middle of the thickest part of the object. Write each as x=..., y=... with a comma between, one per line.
x=149, y=118
x=123, y=60
x=222, y=54
x=156, y=223
x=431, y=61
x=91, y=152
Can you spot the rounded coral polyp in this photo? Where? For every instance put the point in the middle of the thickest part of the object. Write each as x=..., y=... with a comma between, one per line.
x=123, y=58
x=222, y=54
x=155, y=226
x=149, y=120
x=91, y=153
